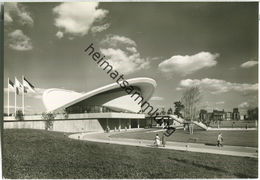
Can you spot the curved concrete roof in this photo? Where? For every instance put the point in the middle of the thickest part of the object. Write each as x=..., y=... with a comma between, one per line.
x=55, y=99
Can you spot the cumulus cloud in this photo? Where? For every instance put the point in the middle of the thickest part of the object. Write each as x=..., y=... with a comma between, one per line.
x=123, y=62
x=185, y=65
x=157, y=98
x=126, y=59
x=249, y=64
x=215, y=86
x=115, y=40
x=17, y=11
x=131, y=49
x=220, y=102
x=244, y=105
x=100, y=28
x=59, y=34
x=19, y=41
x=77, y=18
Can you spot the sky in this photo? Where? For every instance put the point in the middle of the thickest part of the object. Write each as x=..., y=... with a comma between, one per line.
x=210, y=45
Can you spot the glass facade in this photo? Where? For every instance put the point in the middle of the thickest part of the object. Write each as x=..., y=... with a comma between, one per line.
x=86, y=106
x=87, y=109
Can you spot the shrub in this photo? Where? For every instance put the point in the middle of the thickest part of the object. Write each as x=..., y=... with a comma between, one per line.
x=48, y=117
x=19, y=115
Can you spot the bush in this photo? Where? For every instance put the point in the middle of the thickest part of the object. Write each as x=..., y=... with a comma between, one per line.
x=19, y=115
x=49, y=117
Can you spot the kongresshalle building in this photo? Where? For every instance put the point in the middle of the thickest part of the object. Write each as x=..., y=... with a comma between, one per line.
x=105, y=108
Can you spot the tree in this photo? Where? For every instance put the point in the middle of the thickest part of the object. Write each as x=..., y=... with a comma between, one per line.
x=191, y=99
x=178, y=108
x=48, y=117
x=169, y=111
x=19, y=115
x=163, y=111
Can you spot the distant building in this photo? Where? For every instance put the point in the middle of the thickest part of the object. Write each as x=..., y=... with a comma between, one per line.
x=218, y=115
x=203, y=116
x=236, y=114
x=228, y=116
x=253, y=114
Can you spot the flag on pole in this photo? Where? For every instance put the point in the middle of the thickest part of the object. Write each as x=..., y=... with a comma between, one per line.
x=10, y=84
x=28, y=86
x=18, y=86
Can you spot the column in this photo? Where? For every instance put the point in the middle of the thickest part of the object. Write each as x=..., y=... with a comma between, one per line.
x=119, y=127
x=107, y=123
x=129, y=125
x=138, y=125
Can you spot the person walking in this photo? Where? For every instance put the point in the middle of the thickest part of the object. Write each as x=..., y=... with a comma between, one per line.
x=157, y=140
x=220, y=140
x=163, y=140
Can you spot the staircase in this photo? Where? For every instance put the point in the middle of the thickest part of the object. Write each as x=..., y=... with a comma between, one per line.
x=181, y=120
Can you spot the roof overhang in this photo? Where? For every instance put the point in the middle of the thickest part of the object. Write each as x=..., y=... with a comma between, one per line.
x=69, y=98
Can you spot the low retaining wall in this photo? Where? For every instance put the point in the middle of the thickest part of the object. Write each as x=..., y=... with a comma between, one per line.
x=24, y=124
x=59, y=125
x=97, y=122
x=76, y=125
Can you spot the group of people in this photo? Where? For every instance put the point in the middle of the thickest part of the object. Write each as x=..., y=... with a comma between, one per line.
x=157, y=140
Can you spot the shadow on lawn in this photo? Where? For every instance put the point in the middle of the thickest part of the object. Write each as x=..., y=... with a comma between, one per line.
x=198, y=165
x=239, y=175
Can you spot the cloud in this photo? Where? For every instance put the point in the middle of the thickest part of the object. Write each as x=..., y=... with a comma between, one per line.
x=244, y=105
x=156, y=58
x=100, y=28
x=123, y=62
x=19, y=41
x=185, y=65
x=115, y=40
x=8, y=18
x=123, y=55
x=59, y=34
x=220, y=103
x=131, y=49
x=16, y=11
x=77, y=18
x=215, y=86
x=157, y=98
x=249, y=64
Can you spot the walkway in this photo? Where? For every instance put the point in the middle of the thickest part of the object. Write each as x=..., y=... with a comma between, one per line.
x=192, y=147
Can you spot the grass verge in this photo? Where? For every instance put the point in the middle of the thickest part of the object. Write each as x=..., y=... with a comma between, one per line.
x=43, y=154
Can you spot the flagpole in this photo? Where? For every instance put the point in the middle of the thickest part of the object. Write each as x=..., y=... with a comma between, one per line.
x=15, y=99
x=8, y=111
x=23, y=94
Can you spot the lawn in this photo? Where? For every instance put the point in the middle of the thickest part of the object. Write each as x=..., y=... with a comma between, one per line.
x=234, y=138
x=42, y=154
x=235, y=124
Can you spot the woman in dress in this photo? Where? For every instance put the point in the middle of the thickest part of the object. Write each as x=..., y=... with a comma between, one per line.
x=157, y=140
